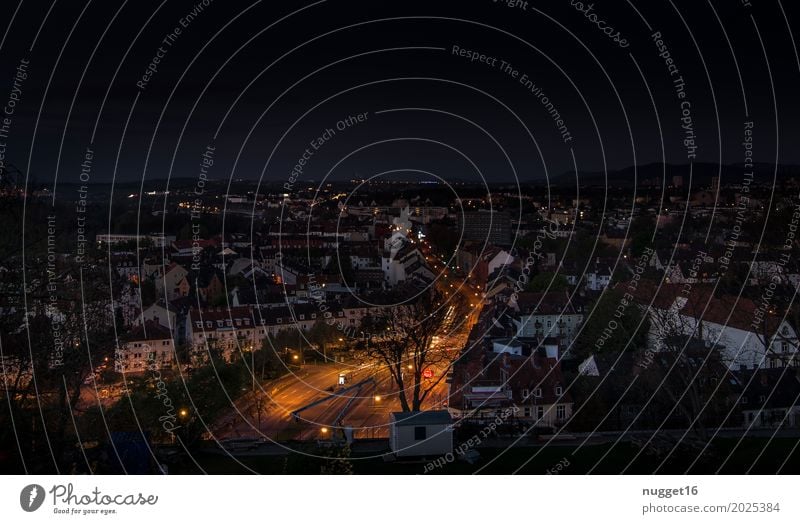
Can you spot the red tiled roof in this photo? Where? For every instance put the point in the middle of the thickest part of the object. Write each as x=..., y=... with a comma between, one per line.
x=151, y=330
x=545, y=303
x=701, y=304
x=487, y=369
x=647, y=292
x=220, y=313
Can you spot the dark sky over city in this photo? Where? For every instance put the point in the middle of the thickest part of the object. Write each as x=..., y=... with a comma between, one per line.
x=261, y=81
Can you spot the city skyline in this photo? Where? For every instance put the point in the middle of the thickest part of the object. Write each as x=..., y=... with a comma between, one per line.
x=417, y=238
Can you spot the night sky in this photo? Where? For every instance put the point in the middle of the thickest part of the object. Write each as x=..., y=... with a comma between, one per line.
x=261, y=81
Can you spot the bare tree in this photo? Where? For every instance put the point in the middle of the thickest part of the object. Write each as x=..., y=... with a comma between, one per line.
x=685, y=367
x=403, y=340
x=776, y=317
x=49, y=361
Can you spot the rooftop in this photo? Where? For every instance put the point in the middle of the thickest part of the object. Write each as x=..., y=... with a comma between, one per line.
x=419, y=418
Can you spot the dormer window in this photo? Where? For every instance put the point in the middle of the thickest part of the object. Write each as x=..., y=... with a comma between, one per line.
x=525, y=394
x=559, y=391
x=537, y=393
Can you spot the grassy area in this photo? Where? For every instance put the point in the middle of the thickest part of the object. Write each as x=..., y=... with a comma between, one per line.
x=563, y=459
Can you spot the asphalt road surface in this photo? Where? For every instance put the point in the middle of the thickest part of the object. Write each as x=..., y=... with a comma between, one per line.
x=267, y=412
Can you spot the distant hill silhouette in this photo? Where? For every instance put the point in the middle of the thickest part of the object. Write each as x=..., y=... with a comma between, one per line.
x=702, y=173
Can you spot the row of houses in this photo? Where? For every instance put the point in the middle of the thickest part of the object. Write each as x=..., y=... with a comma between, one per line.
x=231, y=330
x=512, y=358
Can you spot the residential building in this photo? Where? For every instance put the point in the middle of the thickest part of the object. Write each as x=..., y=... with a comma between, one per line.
x=149, y=347
x=484, y=382
x=547, y=314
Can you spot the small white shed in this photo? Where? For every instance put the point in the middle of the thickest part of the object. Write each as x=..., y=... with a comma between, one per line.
x=421, y=433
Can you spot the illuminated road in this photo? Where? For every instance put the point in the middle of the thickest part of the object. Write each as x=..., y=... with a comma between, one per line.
x=268, y=414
